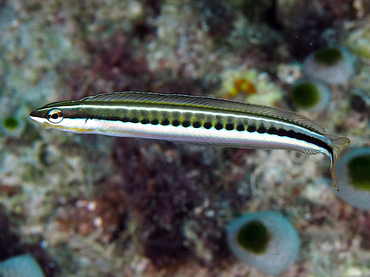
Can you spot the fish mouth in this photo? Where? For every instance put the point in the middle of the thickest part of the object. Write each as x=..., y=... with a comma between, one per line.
x=41, y=121
x=33, y=113
x=35, y=116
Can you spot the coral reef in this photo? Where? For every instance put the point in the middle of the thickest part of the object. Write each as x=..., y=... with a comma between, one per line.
x=358, y=40
x=165, y=192
x=99, y=206
x=309, y=26
x=13, y=250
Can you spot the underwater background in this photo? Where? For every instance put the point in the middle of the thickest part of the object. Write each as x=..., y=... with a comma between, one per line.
x=89, y=205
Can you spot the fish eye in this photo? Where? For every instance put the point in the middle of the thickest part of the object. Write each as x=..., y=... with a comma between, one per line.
x=55, y=116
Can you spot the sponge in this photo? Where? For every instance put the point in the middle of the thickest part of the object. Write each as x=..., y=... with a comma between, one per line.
x=265, y=240
x=20, y=266
x=354, y=174
x=330, y=65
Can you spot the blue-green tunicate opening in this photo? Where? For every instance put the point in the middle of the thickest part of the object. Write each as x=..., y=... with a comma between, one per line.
x=328, y=56
x=254, y=237
x=11, y=123
x=306, y=95
x=359, y=172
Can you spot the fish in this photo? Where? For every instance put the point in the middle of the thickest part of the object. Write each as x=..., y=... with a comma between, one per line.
x=198, y=120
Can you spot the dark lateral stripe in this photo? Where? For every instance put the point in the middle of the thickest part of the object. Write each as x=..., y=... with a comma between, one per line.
x=300, y=136
x=219, y=126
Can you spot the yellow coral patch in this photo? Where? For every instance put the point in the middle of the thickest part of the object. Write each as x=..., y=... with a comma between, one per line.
x=243, y=86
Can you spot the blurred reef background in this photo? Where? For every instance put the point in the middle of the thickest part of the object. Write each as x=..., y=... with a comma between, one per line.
x=87, y=205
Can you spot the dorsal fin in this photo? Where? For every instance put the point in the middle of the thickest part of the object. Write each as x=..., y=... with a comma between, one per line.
x=202, y=101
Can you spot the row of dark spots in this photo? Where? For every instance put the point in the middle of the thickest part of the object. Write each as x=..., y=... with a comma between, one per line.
x=230, y=126
x=219, y=126
x=197, y=124
x=239, y=127
x=188, y=123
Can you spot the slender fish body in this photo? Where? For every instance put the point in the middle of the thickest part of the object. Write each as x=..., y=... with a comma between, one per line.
x=191, y=119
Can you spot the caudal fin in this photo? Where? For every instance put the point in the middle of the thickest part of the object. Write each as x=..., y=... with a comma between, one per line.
x=338, y=144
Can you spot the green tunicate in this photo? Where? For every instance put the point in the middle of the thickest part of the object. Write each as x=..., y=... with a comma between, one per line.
x=254, y=237
x=265, y=240
x=11, y=123
x=328, y=56
x=359, y=172
x=306, y=95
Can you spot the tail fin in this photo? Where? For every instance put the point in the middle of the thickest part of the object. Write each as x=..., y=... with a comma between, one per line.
x=338, y=144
